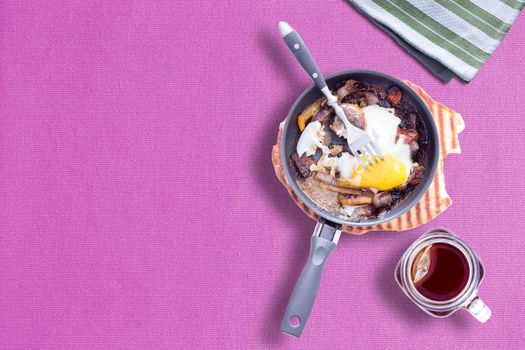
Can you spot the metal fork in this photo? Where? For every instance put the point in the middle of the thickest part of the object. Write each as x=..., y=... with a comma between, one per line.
x=360, y=143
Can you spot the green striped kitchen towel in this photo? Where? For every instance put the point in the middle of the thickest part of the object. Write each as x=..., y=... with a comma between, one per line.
x=450, y=37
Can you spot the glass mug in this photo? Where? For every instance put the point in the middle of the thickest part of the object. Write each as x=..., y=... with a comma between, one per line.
x=447, y=285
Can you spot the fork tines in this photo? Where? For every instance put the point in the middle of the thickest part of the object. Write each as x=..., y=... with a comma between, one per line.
x=369, y=152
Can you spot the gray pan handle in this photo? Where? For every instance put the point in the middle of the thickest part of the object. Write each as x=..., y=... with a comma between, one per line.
x=324, y=240
x=296, y=44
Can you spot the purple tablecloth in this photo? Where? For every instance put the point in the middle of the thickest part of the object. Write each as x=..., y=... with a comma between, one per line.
x=138, y=204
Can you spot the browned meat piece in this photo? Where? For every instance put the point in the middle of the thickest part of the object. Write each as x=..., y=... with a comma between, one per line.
x=355, y=92
x=409, y=135
x=355, y=88
x=354, y=199
x=364, y=211
x=371, y=98
x=416, y=175
x=323, y=114
x=393, y=95
x=382, y=199
x=302, y=164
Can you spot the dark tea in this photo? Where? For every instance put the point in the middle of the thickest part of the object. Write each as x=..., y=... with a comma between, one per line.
x=440, y=272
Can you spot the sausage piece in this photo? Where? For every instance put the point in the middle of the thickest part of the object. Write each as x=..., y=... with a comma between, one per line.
x=354, y=199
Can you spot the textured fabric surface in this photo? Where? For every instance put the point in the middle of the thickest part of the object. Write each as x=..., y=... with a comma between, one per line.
x=460, y=35
x=139, y=208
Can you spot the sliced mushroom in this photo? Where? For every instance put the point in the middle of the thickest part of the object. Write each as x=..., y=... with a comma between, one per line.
x=339, y=189
x=329, y=183
x=354, y=199
x=344, y=90
x=355, y=115
x=409, y=135
x=355, y=92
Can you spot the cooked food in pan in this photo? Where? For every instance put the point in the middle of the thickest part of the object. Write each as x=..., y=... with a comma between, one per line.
x=328, y=172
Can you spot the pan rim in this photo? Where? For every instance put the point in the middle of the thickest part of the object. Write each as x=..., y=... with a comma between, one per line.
x=409, y=202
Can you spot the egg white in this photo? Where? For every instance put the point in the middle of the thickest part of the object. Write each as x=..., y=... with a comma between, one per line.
x=381, y=125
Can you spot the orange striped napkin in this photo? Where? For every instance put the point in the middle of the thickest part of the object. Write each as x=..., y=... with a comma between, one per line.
x=435, y=200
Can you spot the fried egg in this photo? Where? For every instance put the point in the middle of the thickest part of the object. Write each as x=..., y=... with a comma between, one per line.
x=388, y=174
x=381, y=125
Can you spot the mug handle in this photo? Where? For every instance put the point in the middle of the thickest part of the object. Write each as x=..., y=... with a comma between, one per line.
x=324, y=240
x=479, y=310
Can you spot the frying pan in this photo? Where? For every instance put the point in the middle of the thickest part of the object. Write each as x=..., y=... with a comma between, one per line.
x=328, y=229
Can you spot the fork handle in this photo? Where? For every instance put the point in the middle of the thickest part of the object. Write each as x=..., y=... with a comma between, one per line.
x=299, y=49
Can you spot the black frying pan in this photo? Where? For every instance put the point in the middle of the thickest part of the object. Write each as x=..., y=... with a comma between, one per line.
x=328, y=229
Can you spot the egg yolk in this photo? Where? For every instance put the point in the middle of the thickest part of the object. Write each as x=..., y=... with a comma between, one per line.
x=384, y=175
